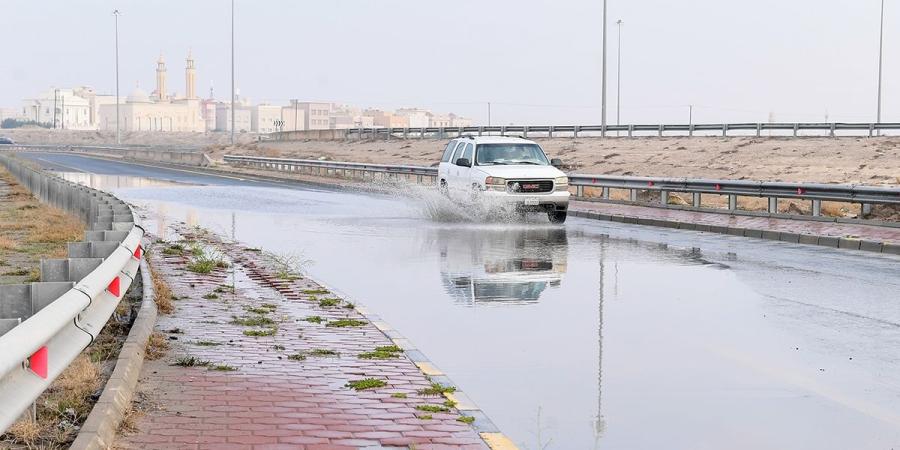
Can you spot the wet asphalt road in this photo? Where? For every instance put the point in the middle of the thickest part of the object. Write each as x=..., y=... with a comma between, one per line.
x=592, y=335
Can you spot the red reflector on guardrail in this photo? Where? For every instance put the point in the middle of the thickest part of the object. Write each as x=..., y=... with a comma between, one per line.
x=137, y=252
x=37, y=362
x=801, y=191
x=113, y=287
x=718, y=187
x=649, y=183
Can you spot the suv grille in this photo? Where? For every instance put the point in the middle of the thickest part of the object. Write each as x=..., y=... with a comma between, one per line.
x=529, y=186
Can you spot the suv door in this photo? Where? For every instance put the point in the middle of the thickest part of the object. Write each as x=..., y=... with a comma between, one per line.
x=459, y=184
x=446, y=163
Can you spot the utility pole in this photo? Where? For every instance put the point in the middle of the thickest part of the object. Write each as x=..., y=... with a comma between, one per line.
x=55, y=108
x=690, y=115
x=880, y=58
x=116, y=14
x=232, y=72
x=619, y=74
x=489, y=113
x=603, y=88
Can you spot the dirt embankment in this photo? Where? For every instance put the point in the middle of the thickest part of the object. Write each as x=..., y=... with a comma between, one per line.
x=874, y=161
x=71, y=137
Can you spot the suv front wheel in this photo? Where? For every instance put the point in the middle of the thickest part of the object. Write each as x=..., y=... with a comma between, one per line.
x=557, y=216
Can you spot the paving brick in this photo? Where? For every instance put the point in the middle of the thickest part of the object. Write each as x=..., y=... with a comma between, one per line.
x=808, y=239
x=828, y=241
x=870, y=246
x=851, y=244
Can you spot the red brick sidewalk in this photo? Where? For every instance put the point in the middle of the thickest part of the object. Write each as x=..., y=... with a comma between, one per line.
x=287, y=390
x=887, y=235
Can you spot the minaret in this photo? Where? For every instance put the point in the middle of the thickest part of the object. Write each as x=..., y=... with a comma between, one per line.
x=161, y=79
x=190, y=76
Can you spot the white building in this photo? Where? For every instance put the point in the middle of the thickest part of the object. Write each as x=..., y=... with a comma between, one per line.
x=293, y=116
x=417, y=118
x=243, y=117
x=59, y=108
x=263, y=118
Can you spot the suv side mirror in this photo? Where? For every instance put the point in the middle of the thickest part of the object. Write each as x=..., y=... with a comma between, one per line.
x=556, y=162
x=464, y=162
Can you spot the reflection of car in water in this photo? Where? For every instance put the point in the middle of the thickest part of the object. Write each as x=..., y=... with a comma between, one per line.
x=501, y=265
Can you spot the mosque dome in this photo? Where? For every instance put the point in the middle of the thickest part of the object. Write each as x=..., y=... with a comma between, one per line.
x=138, y=96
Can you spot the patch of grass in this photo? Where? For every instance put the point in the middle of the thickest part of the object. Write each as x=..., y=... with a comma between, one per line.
x=399, y=395
x=343, y=323
x=315, y=291
x=287, y=266
x=252, y=321
x=465, y=419
x=201, y=266
x=265, y=308
x=163, y=293
x=349, y=305
x=16, y=273
x=297, y=357
x=425, y=417
x=157, y=346
x=432, y=408
x=366, y=383
x=323, y=352
x=450, y=403
x=385, y=352
x=174, y=249
x=8, y=244
x=222, y=368
x=437, y=389
x=33, y=276
x=207, y=343
x=211, y=296
x=329, y=302
x=189, y=361
x=263, y=332
x=314, y=319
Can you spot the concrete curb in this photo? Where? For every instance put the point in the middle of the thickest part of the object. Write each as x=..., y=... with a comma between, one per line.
x=808, y=239
x=100, y=428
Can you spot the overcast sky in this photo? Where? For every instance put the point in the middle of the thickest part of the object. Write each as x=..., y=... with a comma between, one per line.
x=537, y=61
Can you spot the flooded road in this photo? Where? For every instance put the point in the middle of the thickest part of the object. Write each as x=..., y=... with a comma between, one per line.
x=592, y=335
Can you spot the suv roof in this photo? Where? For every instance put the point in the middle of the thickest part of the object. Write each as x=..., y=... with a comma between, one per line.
x=496, y=140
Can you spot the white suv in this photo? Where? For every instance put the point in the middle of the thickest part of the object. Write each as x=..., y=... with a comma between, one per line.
x=506, y=169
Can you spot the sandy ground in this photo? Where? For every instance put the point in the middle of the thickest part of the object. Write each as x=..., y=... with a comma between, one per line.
x=874, y=161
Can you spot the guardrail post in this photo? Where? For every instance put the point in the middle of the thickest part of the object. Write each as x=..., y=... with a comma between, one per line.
x=525, y=131
x=661, y=128
x=579, y=191
x=406, y=133
x=550, y=131
x=575, y=131
x=695, y=199
x=691, y=130
x=817, y=208
x=724, y=129
x=602, y=130
x=796, y=128
x=865, y=209
x=664, y=198
x=773, y=205
x=441, y=133
x=732, y=202
x=630, y=130
x=503, y=130
x=605, y=193
x=832, y=129
x=632, y=195
x=758, y=129
x=871, y=129
x=480, y=131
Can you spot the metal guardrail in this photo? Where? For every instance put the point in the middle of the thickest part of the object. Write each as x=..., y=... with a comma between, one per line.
x=814, y=192
x=45, y=325
x=831, y=128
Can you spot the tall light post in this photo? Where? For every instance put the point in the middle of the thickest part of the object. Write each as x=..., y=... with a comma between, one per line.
x=116, y=14
x=603, y=88
x=619, y=24
x=489, y=113
x=232, y=72
x=880, y=58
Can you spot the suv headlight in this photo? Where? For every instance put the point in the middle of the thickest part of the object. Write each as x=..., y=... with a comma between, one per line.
x=495, y=183
x=561, y=184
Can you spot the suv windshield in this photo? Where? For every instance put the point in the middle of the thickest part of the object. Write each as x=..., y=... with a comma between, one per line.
x=502, y=154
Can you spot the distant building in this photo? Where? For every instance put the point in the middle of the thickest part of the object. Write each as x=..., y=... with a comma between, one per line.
x=243, y=117
x=457, y=121
x=59, y=108
x=384, y=119
x=317, y=115
x=263, y=118
x=160, y=111
x=439, y=120
x=416, y=118
x=294, y=117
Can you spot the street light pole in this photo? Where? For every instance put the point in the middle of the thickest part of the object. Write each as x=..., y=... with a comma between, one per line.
x=116, y=14
x=603, y=88
x=232, y=72
x=880, y=58
x=690, y=115
x=619, y=73
x=489, y=113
